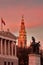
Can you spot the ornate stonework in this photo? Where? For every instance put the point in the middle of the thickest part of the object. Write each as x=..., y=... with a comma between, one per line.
x=22, y=35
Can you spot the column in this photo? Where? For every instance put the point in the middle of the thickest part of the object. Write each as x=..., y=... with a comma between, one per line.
x=5, y=46
x=8, y=47
x=12, y=48
x=1, y=46
x=15, y=48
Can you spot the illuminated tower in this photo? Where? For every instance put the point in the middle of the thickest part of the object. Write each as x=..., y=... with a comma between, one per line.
x=22, y=35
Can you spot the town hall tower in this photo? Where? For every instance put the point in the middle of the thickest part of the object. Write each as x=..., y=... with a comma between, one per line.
x=22, y=40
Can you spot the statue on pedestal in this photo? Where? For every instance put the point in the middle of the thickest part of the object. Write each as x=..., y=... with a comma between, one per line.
x=35, y=46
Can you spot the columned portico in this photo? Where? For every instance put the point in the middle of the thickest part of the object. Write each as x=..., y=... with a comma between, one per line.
x=7, y=52
x=8, y=47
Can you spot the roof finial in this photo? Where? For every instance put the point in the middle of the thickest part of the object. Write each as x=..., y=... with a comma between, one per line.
x=22, y=18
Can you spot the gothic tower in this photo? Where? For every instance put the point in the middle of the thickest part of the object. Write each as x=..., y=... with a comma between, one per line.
x=22, y=35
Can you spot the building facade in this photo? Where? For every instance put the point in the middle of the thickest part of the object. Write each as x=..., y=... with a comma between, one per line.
x=7, y=52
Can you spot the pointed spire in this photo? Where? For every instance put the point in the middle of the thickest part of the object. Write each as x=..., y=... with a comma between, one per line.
x=22, y=23
x=22, y=18
x=22, y=40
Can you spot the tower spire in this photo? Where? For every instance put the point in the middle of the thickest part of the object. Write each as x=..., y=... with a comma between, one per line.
x=22, y=18
x=22, y=24
x=22, y=34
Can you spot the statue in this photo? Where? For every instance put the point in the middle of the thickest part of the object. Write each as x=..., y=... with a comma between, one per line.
x=35, y=46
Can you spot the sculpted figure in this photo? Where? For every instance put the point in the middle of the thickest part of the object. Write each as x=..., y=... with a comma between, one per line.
x=35, y=46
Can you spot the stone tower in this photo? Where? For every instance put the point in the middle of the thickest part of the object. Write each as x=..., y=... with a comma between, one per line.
x=22, y=35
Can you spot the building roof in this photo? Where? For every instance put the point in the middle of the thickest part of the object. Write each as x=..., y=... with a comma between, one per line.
x=7, y=34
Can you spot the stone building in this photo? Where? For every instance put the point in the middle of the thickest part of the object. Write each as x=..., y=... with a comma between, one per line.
x=7, y=45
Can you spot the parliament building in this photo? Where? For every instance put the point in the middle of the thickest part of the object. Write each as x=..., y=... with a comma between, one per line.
x=8, y=48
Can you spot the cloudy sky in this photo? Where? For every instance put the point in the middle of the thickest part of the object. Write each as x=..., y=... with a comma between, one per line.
x=12, y=10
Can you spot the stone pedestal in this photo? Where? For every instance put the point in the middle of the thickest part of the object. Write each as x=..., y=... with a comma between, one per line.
x=34, y=59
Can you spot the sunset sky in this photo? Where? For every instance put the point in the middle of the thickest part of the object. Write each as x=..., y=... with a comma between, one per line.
x=12, y=10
